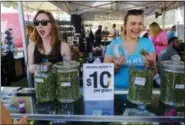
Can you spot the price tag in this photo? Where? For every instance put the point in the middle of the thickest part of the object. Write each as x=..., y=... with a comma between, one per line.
x=65, y=84
x=98, y=80
x=179, y=86
x=37, y=80
x=140, y=81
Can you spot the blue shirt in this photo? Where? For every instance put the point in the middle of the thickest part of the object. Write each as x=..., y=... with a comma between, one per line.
x=171, y=34
x=121, y=78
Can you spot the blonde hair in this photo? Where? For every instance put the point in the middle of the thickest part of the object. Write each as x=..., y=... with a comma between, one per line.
x=29, y=28
x=155, y=28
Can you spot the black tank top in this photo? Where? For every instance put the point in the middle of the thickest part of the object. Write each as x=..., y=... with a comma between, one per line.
x=39, y=58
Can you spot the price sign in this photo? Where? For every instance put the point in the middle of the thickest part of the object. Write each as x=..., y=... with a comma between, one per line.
x=98, y=80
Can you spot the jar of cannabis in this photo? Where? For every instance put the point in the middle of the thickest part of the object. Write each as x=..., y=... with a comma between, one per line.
x=44, y=81
x=140, y=84
x=67, y=76
x=172, y=82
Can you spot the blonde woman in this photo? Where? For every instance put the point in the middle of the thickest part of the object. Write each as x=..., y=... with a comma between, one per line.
x=132, y=44
x=158, y=37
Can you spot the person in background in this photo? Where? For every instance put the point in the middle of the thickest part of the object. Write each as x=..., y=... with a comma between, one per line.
x=91, y=38
x=105, y=33
x=9, y=40
x=121, y=31
x=114, y=33
x=81, y=40
x=7, y=120
x=158, y=37
x=167, y=53
x=98, y=36
x=46, y=45
x=87, y=33
x=131, y=44
x=171, y=33
x=29, y=30
x=146, y=35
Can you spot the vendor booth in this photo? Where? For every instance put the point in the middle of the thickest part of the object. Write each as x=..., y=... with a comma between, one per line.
x=82, y=90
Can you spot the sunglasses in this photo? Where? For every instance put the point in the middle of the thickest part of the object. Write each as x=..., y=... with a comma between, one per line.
x=136, y=11
x=42, y=22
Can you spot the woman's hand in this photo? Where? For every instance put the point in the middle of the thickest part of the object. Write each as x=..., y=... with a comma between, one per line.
x=118, y=62
x=149, y=60
x=22, y=121
x=32, y=69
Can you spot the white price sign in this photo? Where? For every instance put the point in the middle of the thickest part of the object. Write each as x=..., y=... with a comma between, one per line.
x=98, y=81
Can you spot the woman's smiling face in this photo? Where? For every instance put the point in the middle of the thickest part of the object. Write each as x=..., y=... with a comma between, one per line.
x=134, y=26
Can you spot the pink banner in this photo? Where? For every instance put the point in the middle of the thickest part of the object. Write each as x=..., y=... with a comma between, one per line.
x=11, y=20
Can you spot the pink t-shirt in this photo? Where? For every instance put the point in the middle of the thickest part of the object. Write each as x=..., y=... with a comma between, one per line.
x=161, y=37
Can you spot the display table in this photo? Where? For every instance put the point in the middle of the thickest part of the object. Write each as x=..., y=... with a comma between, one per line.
x=118, y=112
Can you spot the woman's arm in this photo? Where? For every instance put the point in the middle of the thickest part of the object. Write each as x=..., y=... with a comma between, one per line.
x=31, y=66
x=65, y=50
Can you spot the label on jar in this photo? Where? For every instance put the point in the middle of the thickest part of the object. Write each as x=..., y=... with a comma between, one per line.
x=65, y=84
x=179, y=86
x=97, y=112
x=140, y=81
x=39, y=80
x=22, y=105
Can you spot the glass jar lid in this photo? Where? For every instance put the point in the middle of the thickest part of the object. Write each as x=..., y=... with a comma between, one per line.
x=174, y=65
x=67, y=66
x=43, y=67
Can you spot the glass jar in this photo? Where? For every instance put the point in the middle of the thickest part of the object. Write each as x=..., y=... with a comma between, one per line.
x=172, y=82
x=67, y=81
x=140, y=84
x=44, y=81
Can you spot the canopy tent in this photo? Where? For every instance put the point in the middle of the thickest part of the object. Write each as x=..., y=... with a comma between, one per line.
x=115, y=9
x=172, y=17
x=33, y=6
x=30, y=8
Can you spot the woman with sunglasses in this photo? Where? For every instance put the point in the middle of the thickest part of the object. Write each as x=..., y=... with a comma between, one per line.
x=131, y=44
x=46, y=45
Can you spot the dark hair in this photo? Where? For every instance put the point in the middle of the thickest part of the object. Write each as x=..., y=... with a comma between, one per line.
x=114, y=25
x=172, y=40
x=55, y=40
x=134, y=12
x=173, y=27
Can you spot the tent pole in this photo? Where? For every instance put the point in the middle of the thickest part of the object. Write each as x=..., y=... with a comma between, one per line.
x=21, y=19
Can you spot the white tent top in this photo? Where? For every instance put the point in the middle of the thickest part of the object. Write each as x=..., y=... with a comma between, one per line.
x=88, y=9
x=33, y=6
